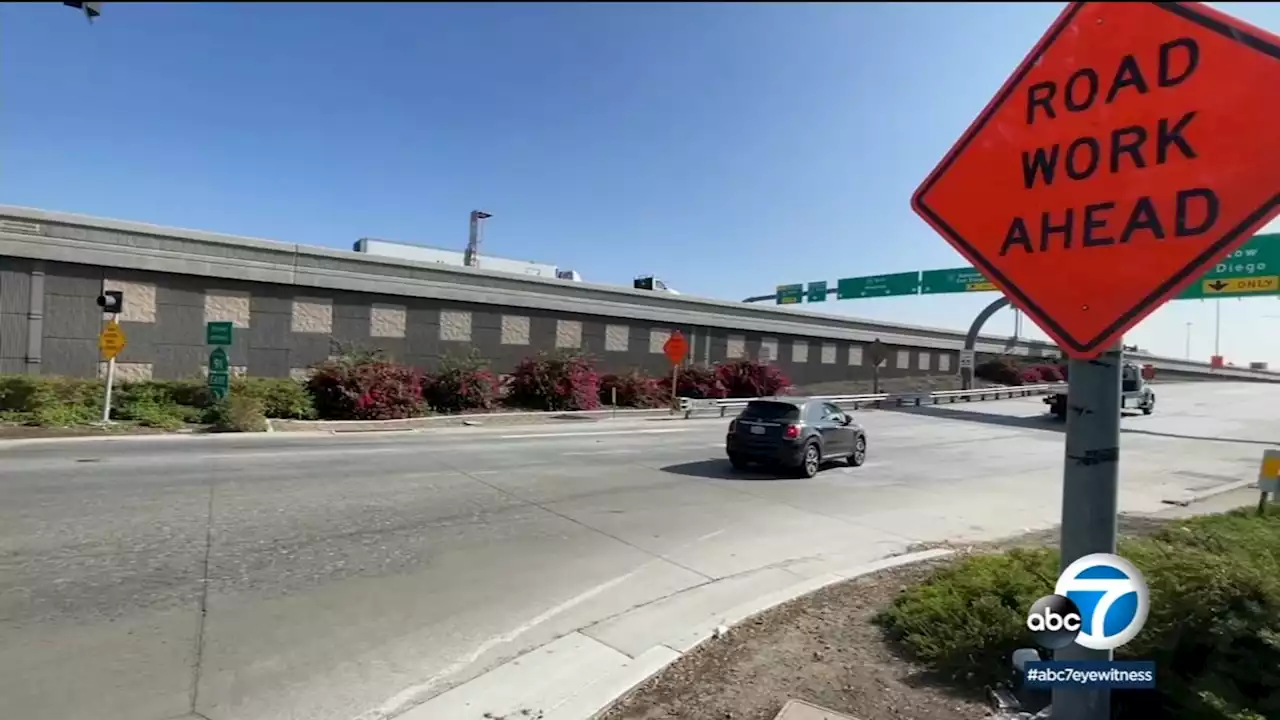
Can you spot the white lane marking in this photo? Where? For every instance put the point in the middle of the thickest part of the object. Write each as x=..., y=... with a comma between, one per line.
x=604, y=452
x=415, y=695
x=527, y=436
x=710, y=535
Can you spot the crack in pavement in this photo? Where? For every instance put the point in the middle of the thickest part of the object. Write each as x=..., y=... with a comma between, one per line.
x=203, y=606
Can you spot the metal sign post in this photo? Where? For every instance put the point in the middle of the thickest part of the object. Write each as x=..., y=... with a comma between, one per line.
x=106, y=397
x=675, y=348
x=110, y=342
x=1090, y=497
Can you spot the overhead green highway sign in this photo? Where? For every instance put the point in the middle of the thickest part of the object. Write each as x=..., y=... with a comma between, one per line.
x=790, y=294
x=878, y=286
x=954, y=280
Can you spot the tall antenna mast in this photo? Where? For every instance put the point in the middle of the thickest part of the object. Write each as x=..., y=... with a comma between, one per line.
x=472, y=256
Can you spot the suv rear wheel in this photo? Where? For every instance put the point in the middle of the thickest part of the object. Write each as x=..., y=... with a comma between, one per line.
x=810, y=460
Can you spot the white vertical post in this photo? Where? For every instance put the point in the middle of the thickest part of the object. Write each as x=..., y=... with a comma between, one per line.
x=1217, y=326
x=111, y=378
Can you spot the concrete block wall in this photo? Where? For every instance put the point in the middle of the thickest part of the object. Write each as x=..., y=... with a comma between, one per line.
x=282, y=330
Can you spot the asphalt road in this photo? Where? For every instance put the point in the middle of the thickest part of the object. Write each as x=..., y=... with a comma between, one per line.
x=337, y=577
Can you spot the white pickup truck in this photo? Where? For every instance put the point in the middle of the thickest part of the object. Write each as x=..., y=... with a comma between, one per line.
x=1135, y=392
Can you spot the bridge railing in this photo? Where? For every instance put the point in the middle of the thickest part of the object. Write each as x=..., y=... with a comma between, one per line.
x=692, y=406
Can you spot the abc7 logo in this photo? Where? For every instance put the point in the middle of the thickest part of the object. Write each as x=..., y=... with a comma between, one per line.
x=1117, y=602
x=1054, y=622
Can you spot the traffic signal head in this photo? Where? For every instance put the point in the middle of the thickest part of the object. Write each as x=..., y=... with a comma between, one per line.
x=111, y=301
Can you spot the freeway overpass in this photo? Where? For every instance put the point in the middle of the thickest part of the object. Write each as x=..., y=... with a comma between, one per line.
x=292, y=303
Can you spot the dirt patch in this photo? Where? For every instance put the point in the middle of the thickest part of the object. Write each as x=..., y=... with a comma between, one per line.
x=822, y=648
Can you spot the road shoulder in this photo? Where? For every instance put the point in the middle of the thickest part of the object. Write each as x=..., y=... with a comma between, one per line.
x=825, y=648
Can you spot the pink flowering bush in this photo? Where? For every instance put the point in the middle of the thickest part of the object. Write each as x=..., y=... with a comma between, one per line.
x=555, y=382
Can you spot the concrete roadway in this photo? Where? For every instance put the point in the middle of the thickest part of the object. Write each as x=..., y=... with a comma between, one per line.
x=336, y=577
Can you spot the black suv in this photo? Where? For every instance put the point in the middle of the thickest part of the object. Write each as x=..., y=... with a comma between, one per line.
x=799, y=434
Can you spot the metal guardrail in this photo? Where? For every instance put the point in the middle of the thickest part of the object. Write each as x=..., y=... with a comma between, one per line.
x=689, y=406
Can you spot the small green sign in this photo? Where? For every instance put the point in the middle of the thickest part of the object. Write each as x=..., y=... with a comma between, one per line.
x=217, y=333
x=790, y=294
x=818, y=291
x=218, y=362
x=878, y=286
x=219, y=384
x=954, y=280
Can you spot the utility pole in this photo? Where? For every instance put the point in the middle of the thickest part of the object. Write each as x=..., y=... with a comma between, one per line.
x=472, y=256
x=1217, y=326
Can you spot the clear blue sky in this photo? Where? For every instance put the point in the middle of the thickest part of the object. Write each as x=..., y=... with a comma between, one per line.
x=725, y=148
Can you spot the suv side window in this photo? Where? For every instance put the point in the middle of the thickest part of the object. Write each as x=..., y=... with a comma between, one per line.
x=831, y=412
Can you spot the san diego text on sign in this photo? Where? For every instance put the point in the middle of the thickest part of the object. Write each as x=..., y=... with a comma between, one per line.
x=1129, y=148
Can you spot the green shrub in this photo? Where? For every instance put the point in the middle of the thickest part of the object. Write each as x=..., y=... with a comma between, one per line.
x=1213, y=628
x=151, y=414
x=237, y=413
x=156, y=404
x=282, y=398
x=17, y=391
x=50, y=400
x=59, y=415
x=967, y=619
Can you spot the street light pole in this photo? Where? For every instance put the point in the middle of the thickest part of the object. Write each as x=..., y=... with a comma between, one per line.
x=1188, y=351
x=1217, y=326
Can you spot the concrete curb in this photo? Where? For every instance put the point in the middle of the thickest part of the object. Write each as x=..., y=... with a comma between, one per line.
x=1223, y=489
x=577, y=677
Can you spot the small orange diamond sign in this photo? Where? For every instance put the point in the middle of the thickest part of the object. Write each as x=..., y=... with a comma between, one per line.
x=1132, y=148
x=676, y=347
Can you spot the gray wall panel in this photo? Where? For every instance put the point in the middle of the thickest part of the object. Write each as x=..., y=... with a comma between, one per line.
x=267, y=362
x=13, y=336
x=71, y=317
x=180, y=362
x=70, y=356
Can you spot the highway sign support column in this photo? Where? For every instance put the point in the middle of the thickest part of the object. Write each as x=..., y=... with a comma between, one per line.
x=1090, y=499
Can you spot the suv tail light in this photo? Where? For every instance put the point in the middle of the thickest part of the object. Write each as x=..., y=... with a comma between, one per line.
x=792, y=432
x=733, y=426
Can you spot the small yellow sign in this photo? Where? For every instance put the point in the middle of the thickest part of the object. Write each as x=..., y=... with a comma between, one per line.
x=111, y=341
x=980, y=287
x=1269, y=472
x=1238, y=285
